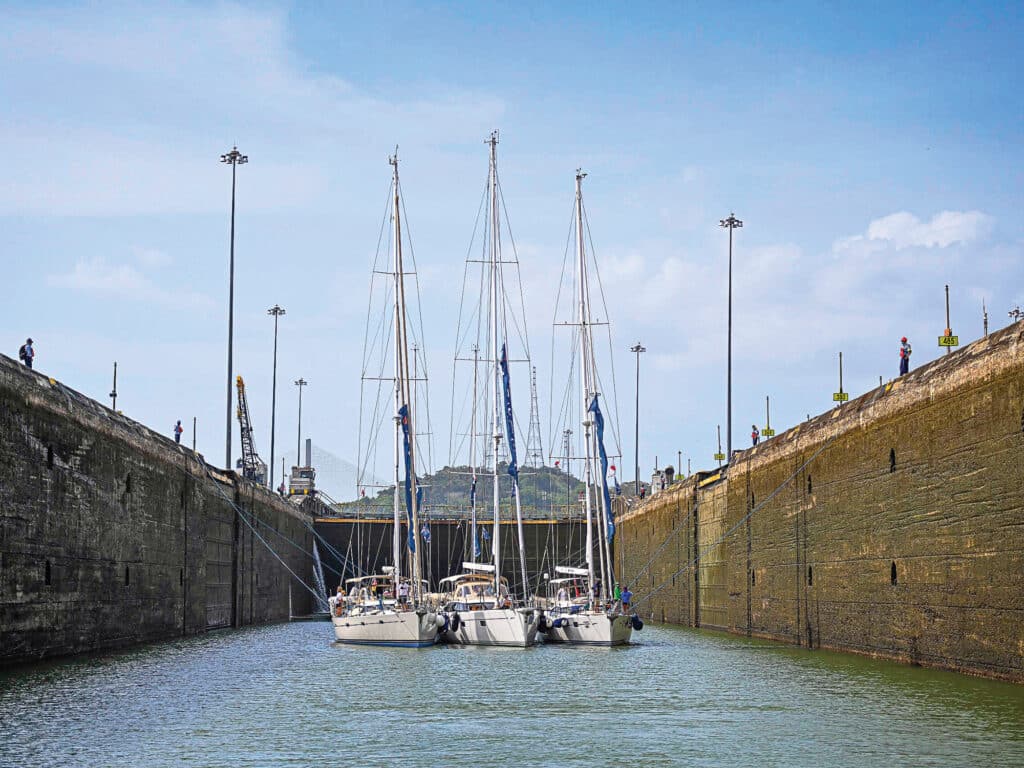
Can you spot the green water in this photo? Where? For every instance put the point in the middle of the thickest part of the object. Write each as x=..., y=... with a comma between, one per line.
x=285, y=695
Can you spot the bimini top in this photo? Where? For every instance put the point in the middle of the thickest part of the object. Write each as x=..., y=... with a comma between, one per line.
x=467, y=577
x=571, y=571
x=378, y=577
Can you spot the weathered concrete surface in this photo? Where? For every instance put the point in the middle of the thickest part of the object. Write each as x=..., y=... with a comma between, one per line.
x=111, y=534
x=897, y=528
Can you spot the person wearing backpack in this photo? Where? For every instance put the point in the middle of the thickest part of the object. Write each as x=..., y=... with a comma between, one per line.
x=26, y=354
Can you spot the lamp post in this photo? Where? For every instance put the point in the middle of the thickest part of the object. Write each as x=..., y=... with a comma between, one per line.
x=298, y=442
x=638, y=348
x=113, y=392
x=276, y=312
x=730, y=223
x=234, y=158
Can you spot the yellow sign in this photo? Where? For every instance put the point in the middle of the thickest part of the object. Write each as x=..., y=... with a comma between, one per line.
x=719, y=457
x=949, y=341
x=840, y=397
x=766, y=432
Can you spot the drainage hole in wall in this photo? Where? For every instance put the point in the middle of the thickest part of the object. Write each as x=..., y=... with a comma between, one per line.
x=181, y=577
x=128, y=483
x=47, y=574
x=810, y=576
x=810, y=487
x=49, y=456
x=892, y=459
x=753, y=577
x=892, y=574
x=127, y=576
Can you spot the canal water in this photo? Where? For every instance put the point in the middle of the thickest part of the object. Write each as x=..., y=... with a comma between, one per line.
x=286, y=696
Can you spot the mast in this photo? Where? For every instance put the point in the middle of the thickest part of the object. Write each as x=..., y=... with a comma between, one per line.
x=396, y=538
x=585, y=375
x=472, y=458
x=495, y=412
x=404, y=384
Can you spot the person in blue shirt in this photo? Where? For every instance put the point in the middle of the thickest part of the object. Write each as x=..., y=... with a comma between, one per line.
x=627, y=598
x=26, y=353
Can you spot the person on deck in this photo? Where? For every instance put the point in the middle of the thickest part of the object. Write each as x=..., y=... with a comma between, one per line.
x=755, y=434
x=617, y=592
x=905, y=351
x=627, y=598
x=403, y=593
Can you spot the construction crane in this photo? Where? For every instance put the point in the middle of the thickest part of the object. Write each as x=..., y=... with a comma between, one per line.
x=252, y=466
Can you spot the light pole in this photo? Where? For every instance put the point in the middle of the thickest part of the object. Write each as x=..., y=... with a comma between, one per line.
x=234, y=158
x=638, y=348
x=298, y=442
x=276, y=311
x=730, y=223
x=113, y=392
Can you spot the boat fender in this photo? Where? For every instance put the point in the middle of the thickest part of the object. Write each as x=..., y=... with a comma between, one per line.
x=456, y=622
x=442, y=621
x=542, y=623
x=637, y=623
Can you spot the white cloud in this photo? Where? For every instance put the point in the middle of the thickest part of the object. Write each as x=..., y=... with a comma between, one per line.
x=95, y=277
x=904, y=230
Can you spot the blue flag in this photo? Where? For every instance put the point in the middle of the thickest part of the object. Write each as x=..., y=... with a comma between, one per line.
x=486, y=534
x=403, y=413
x=425, y=533
x=599, y=422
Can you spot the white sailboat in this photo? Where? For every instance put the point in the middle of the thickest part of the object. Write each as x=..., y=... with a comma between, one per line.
x=579, y=610
x=479, y=605
x=391, y=609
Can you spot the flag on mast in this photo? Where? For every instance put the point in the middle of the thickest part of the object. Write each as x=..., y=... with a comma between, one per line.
x=403, y=413
x=599, y=422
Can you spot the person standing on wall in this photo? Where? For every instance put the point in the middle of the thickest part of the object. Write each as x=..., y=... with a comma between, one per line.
x=755, y=434
x=178, y=429
x=26, y=354
x=905, y=351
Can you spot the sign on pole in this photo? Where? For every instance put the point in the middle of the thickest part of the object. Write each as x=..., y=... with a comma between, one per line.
x=949, y=341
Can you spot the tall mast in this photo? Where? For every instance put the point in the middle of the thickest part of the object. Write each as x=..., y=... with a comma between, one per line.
x=495, y=410
x=585, y=373
x=396, y=538
x=405, y=392
x=472, y=457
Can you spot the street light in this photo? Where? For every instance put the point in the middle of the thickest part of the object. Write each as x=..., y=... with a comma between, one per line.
x=234, y=158
x=638, y=348
x=276, y=311
x=298, y=443
x=730, y=223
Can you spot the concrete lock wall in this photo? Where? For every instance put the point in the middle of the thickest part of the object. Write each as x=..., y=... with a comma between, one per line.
x=111, y=534
x=896, y=528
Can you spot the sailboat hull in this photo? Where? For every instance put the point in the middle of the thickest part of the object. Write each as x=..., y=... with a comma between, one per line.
x=589, y=629
x=405, y=629
x=510, y=627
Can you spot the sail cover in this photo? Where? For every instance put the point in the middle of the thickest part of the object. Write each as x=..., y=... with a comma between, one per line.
x=403, y=413
x=472, y=506
x=599, y=422
x=510, y=433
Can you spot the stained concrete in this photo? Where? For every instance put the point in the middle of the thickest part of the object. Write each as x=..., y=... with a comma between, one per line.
x=892, y=526
x=111, y=534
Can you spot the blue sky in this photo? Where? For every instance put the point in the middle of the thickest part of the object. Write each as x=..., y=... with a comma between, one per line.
x=873, y=153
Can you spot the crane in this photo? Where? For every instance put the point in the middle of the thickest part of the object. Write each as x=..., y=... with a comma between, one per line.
x=252, y=466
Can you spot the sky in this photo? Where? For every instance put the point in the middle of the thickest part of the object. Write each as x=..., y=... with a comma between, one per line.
x=873, y=152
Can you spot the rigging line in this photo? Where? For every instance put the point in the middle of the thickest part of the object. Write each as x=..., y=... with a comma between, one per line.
x=746, y=517
x=366, y=334
x=554, y=320
x=421, y=328
x=519, y=279
x=242, y=514
x=616, y=425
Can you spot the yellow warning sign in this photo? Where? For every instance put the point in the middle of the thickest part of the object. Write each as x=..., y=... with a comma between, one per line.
x=766, y=432
x=949, y=341
x=840, y=397
x=719, y=457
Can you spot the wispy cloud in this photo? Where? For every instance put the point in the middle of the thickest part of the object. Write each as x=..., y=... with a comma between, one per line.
x=97, y=278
